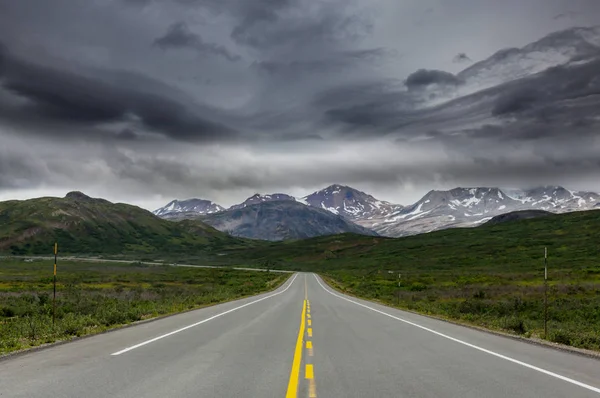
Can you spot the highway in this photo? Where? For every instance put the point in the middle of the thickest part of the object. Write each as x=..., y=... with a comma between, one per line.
x=105, y=260
x=302, y=340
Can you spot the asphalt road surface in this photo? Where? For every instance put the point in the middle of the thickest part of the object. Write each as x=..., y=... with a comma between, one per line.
x=303, y=340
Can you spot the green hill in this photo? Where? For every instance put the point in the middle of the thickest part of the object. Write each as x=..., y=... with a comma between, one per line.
x=491, y=276
x=572, y=239
x=84, y=225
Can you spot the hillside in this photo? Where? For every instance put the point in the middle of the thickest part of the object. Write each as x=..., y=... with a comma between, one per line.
x=86, y=225
x=281, y=220
x=517, y=216
x=571, y=239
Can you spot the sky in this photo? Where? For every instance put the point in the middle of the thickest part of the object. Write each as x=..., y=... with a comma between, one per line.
x=145, y=101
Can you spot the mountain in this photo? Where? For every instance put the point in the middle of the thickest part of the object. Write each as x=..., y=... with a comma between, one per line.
x=349, y=203
x=558, y=199
x=199, y=206
x=281, y=220
x=81, y=224
x=258, y=198
x=468, y=207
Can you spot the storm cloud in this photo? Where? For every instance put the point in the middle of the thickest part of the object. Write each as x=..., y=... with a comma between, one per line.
x=424, y=77
x=44, y=94
x=147, y=100
x=179, y=36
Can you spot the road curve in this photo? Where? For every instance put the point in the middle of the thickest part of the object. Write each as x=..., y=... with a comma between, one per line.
x=302, y=340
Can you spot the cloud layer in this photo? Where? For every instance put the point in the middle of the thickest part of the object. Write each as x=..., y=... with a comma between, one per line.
x=147, y=100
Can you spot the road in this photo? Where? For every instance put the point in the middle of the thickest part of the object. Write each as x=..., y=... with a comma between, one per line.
x=302, y=340
x=105, y=260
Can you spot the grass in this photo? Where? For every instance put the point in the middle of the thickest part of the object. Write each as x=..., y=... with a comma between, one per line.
x=491, y=276
x=94, y=297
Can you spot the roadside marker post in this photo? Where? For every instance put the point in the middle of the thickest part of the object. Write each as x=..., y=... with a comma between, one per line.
x=545, y=292
x=399, y=283
x=54, y=297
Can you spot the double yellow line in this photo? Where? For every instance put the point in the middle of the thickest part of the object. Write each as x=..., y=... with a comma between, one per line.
x=309, y=374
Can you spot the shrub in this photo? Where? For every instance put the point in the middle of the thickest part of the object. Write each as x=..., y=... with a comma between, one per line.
x=516, y=325
x=560, y=336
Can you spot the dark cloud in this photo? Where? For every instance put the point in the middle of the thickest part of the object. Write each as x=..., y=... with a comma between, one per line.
x=555, y=89
x=424, y=78
x=179, y=36
x=518, y=100
x=127, y=134
x=265, y=24
x=19, y=171
x=63, y=96
x=144, y=91
x=137, y=2
x=461, y=58
x=334, y=63
x=565, y=15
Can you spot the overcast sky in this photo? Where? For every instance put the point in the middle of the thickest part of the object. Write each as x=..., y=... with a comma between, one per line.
x=145, y=101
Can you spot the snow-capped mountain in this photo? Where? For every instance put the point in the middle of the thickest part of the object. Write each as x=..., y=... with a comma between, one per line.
x=458, y=207
x=198, y=206
x=464, y=207
x=558, y=48
x=258, y=198
x=349, y=203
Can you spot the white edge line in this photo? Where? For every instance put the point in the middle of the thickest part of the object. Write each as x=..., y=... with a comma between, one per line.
x=547, y=372
x=133, y=347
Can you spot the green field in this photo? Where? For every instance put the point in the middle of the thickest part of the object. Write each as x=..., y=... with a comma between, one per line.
x=93, y=297
x=490, y=276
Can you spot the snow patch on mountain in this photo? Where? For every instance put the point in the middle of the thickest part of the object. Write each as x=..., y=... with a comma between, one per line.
x=197, y=206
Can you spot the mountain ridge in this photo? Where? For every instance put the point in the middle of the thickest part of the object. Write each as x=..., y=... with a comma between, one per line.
x=437, y=209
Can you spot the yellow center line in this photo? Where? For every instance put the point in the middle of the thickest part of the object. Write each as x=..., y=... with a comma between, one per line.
x=308, y=316
x=309, y=372
x=312, y=389
x=292, y=391
x=309, y=332
x=310, y=322
x=309, y=347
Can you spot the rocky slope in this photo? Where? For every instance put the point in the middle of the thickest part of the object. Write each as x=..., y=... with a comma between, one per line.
x=258, y=198
x=349, y=203
x=281, y=220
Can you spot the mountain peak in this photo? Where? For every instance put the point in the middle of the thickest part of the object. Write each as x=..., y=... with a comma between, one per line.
x=77, y=195
x=197, y=206
x=349, y=202
x=260, y=198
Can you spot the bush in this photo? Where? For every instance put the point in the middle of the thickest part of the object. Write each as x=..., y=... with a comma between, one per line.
x=417, y=287
x=560, y=336
x=7, y=312
x=516, y=325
